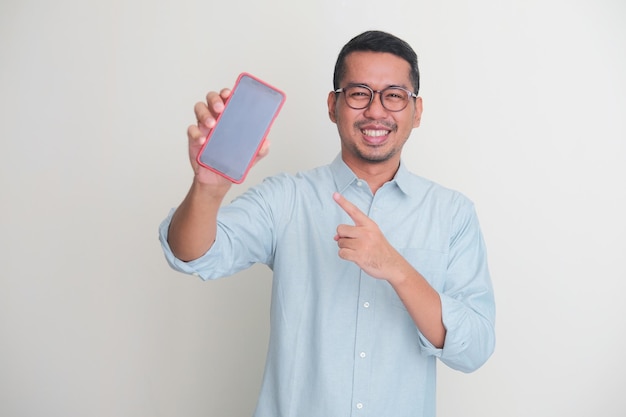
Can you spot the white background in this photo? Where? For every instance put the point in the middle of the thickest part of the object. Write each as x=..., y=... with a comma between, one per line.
x=525, y=107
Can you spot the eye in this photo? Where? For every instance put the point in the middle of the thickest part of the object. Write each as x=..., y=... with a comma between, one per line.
x=395, y=94
x=359, y=93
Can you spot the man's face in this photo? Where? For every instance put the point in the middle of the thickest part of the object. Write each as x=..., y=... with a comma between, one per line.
x=374, y=135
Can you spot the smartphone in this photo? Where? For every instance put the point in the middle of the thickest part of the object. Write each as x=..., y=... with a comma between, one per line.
x=241, y=128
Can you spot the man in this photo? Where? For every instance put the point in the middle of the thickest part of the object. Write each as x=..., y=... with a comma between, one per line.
x=377, y=272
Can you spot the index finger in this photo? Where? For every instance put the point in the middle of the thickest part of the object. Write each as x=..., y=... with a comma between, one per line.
x=353, y=211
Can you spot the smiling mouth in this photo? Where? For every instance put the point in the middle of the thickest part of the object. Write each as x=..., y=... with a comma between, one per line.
x=375, y=133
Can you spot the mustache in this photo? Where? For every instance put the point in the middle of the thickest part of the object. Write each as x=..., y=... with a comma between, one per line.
x=360, y=124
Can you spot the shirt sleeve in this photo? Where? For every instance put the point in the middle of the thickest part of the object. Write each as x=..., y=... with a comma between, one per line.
x=244, y=237
x=173, y=261
x=467, y=299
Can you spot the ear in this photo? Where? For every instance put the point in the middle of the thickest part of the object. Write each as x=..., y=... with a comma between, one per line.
x=417, y=117
x=332, y=106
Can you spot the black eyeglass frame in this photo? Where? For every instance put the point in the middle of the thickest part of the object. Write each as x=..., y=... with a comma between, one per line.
x=373, y=94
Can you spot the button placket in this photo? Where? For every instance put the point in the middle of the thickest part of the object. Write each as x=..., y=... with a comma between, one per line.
x=363, y=341
x=364, y=327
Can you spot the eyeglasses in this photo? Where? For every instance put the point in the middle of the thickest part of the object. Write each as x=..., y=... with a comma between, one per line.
x=360, y=96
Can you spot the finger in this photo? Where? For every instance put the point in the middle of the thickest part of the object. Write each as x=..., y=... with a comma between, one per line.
x=196, y=135
x=345, y=231
x=225, y=93
x=353, y=211
x=207, y=113
x=215, y=101
x=347, y=253
x=265, y=149
x=206, y=120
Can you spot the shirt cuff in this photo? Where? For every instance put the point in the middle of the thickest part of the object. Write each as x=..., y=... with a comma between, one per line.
x=453, y=313
x=191, y=267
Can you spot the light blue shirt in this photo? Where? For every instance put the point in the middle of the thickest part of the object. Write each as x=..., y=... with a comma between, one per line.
x=342, y=342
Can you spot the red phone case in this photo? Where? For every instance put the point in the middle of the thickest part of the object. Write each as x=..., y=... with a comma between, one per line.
x=251, y=162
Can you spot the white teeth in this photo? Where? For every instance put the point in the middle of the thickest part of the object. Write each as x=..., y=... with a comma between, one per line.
x=375, y=133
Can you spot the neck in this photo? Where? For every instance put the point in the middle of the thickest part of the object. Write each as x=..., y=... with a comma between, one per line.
x=375, y=174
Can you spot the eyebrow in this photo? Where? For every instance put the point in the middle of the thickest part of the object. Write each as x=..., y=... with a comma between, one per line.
x=389, y=86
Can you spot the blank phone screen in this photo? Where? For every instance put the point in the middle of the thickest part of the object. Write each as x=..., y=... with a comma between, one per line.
x=236, y=138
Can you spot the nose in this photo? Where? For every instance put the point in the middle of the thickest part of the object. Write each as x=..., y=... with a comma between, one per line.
x=376, y=108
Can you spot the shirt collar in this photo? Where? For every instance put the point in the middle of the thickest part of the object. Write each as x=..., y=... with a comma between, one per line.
x=403, y=179
x=344, y=176
x=342, y=173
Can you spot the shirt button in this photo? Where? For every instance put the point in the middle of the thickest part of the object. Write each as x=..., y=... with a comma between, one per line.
x=359, y=183
x=195, y=274
x=359, y=405
x=362, y=354
x=366, y=304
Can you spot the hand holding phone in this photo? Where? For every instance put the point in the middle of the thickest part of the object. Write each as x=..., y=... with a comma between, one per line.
x=232, y=145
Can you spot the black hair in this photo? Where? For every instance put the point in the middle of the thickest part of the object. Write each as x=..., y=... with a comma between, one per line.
x=377, y=41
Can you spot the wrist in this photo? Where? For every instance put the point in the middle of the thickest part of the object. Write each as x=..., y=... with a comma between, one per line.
x=402, y=274
x=212, y=189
